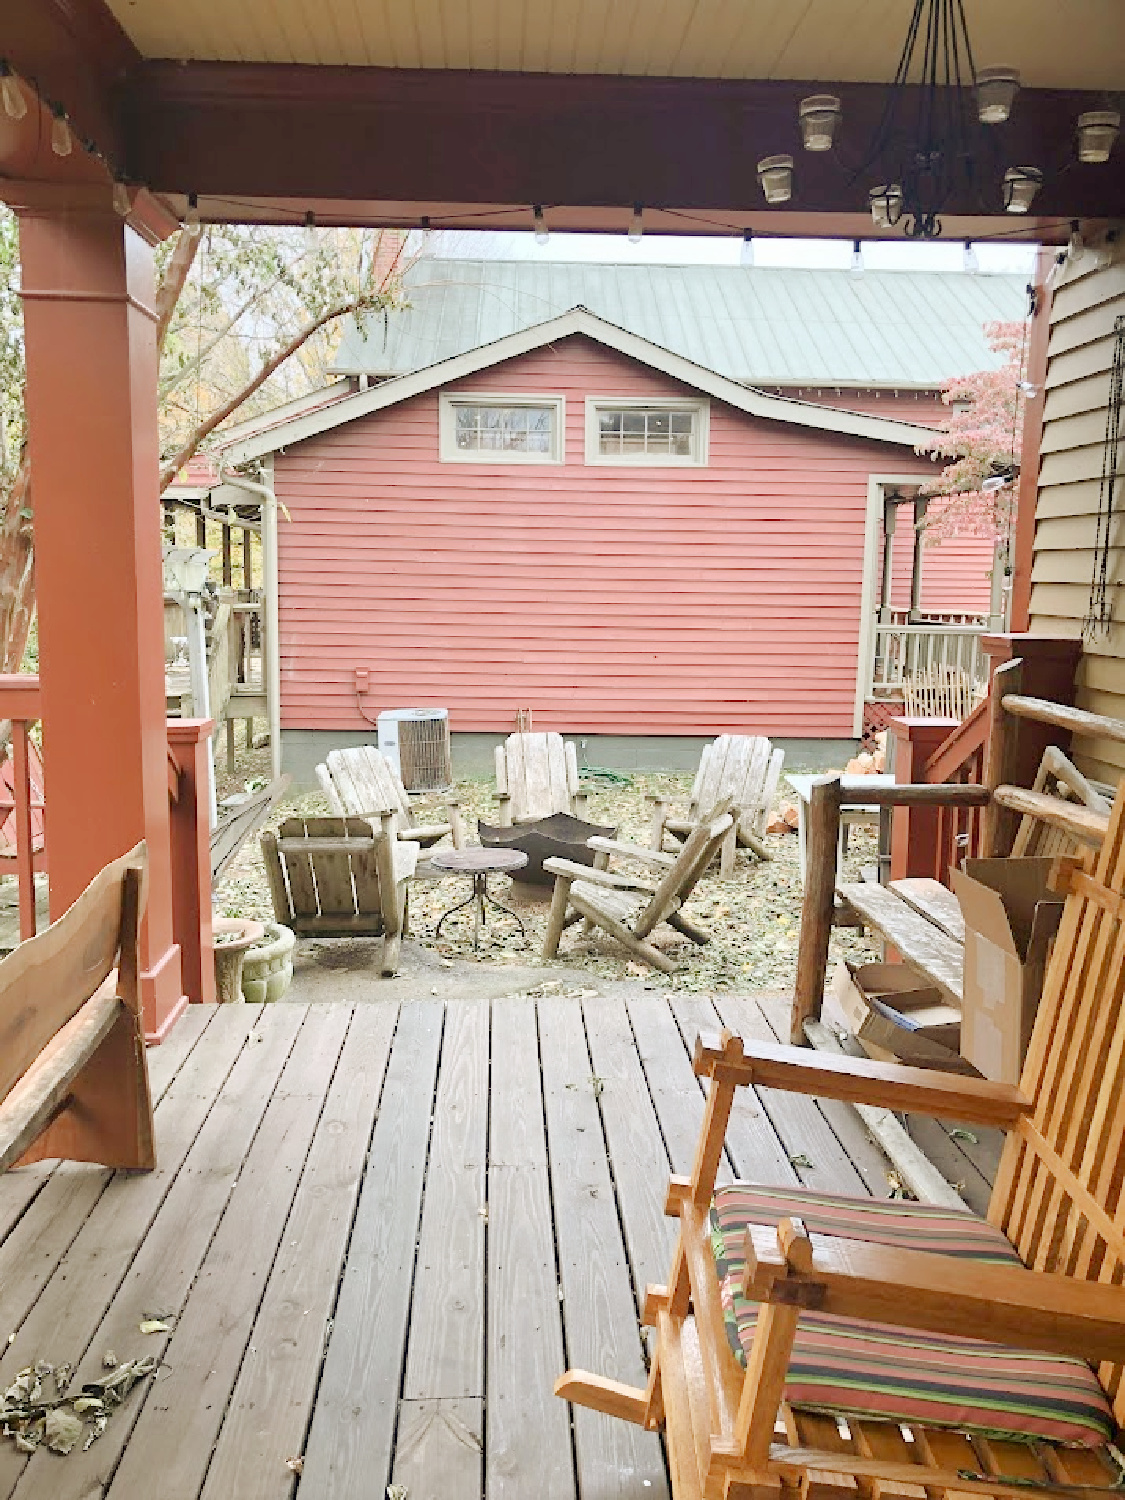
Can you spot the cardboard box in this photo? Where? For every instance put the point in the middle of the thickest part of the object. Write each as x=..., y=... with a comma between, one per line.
x=1011, y=918
x=896, y=1016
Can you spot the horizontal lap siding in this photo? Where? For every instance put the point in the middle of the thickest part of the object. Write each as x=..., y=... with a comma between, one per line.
x=1079, y=356
x=608, y=600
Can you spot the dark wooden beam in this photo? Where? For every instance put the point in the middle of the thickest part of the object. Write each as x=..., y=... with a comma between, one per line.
x=74, y=53
x=361, y=135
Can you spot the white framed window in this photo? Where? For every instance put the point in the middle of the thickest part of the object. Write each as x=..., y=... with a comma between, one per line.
x=491, y=429
x=627, y=430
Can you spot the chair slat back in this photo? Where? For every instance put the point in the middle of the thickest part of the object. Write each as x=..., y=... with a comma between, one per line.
x=536, y=775
x=332, y=884
x=733, y=766
x=77, y=952
x=680, y=879
x=368, y=785
x=1058, y=777
x=1059, y=1192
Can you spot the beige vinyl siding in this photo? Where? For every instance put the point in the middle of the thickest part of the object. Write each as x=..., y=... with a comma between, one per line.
x=1079, y=356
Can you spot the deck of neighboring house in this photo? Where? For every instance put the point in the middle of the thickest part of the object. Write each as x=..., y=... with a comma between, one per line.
x=381, y=1231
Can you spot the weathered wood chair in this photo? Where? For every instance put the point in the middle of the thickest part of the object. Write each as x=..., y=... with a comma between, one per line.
x=812, y=1345
x=741, y=768
x=537, y=775
x=1058, y=777
x=337, y=877
x=628, y=907
x=73, y=1078
x=360, y=782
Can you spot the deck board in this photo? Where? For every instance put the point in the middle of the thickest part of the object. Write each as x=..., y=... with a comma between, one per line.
x=383, y=1231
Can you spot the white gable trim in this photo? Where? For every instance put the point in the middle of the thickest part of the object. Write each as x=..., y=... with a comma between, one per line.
x=578, y=320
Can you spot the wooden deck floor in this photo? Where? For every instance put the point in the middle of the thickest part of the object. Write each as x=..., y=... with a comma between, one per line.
x=383, y=1231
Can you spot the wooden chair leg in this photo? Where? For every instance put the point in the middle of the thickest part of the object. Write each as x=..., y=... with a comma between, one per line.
x=688, y=928
x=637, y=946
x=727, y=853
x=557, y=916
x=600, y=1394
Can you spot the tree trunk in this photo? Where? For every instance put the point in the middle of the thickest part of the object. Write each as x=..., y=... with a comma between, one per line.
x=17, y=572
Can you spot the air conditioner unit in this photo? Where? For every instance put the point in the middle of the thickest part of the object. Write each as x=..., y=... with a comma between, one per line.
x=416, y=742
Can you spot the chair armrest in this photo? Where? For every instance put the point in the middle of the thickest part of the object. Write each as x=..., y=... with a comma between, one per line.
x=659, y=816
x=630, y=851
x=573, y=871
x=859, y=1080
x=936, y=1293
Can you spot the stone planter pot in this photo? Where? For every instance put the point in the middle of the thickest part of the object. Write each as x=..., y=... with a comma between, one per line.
x=267, y=968
x=232, y=937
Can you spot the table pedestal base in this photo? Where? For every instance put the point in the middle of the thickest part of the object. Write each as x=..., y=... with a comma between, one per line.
x=480, y=896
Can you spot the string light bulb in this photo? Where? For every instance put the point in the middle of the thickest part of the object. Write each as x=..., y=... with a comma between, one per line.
x=1075, y=245
x=970, y=261
x=856, y=268
x=542, y=233
x=121, y=200
x=746, y=253
x=61, y=143
x=15, y=105
x=636, y=224
x=192, y=225
x=310, y=231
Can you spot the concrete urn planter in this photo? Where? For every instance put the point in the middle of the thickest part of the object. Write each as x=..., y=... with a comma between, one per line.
x=232, y=936
x=267, y=968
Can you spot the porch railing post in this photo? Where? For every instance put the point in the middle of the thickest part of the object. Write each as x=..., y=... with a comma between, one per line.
x=191, y=857
x=819, y=902
x=916, y=844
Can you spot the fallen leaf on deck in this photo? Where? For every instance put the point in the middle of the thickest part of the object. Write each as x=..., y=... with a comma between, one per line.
x=156, y=1325
x=296, y=1464
x=397, y=1492
x=62, y=1430
x=800, y=1160
x=109, y=1360
x=959, y=1133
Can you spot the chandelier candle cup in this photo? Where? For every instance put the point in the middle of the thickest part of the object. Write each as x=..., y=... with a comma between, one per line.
x=1097, y=134
x=1020, y=187
x=886, y=204
x=996, y=93
x=819, y=115
x=775, y=173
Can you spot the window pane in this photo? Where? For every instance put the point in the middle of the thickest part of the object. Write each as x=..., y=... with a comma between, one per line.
x=633, y=423
x=656, y=432
x=681, y=421
x=503, y=429
x=658, y=423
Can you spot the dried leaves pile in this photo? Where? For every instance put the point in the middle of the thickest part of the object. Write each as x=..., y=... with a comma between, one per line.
x=39, y=1409
x=753, y=919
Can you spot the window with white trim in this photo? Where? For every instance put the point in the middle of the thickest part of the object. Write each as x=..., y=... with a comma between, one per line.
x=625, y=431
x=501, y=429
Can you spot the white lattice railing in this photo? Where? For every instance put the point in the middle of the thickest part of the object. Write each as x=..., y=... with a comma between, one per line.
x=903, y=652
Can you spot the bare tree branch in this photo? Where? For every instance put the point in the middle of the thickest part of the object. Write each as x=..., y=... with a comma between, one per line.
x=172, y=284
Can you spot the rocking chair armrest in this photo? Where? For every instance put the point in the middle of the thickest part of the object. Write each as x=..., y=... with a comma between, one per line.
x=571, y=870
x=630, y=851
x=860, y=1080
x=943, y=1294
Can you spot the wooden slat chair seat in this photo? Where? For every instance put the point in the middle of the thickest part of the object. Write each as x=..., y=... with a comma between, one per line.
x=1057, y=777
x=630, y=908
x=335, y=877
x=73, y=1077
x=1037, y=1286
x=360, y=782
x=742, y=769
x=536, y=776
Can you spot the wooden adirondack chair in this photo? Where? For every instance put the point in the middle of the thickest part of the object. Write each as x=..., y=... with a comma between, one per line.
x=361, y=783
x=337, y=877
x=1058, y=777
x=537, y=775
x=743, y=768
x=73, y=1078
x=858, y=1363
x=628, y=907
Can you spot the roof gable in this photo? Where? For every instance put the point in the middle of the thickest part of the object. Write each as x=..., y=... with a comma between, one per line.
x=267, y=437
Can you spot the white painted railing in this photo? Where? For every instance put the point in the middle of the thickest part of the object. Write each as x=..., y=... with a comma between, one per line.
x=911, y=651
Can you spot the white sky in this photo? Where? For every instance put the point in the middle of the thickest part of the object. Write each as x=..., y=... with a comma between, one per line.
x=665, y=249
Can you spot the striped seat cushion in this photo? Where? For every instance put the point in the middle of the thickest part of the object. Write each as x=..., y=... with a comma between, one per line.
x=874, y=1370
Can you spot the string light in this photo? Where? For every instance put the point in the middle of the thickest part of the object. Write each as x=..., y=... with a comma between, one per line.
x=15, y=105
x=636, y=224
x=969, y=260
x=61, y=142
x=310, y=230
x=856, y=268
x=1075, y=245
x=192, y=225
x=746, y=253
x=542, y=233
x=121, y=200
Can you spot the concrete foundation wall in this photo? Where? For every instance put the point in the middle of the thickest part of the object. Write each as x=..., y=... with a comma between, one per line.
x=301, y=749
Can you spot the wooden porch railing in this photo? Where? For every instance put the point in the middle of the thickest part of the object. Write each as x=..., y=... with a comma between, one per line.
x=910, y=651
x=23, y=846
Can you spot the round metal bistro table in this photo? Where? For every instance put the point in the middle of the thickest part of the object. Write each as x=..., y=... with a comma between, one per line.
x=480, y=864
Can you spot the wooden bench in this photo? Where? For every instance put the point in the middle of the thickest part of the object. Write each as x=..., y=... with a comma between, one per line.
x=73, y=1077
x=903, y=920
x=1040, y=1280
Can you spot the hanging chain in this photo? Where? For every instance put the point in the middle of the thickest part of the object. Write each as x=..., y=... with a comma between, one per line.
x=1100, y=612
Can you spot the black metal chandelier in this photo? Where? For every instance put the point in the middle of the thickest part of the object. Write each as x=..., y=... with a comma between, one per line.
x=937, y=140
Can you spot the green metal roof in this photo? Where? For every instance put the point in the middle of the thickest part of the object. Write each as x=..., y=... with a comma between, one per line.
x=758, y=325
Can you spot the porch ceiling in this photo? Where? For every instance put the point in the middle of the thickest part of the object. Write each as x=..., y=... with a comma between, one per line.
x=1053, y=45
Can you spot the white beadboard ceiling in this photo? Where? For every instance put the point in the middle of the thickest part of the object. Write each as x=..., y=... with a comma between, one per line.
x=1053, y=43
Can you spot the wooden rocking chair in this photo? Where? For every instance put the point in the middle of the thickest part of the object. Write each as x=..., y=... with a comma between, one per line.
x=837, y=1347
x=741, y=768
x=360, y=782
x=536, y=776
x=628, y=907
x=73, y=1078
x=335, y=877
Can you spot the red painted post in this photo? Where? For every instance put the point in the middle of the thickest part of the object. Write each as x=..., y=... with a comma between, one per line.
x=88, y=292
x=191, y=857
x=916, y=842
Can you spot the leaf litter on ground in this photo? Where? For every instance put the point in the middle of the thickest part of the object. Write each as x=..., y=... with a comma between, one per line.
x=36, y=1414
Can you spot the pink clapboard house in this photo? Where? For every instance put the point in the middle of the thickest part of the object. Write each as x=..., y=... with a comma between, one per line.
x=556, y=512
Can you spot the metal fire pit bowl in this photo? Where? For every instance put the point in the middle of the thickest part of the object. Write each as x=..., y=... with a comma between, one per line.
x=558, y=837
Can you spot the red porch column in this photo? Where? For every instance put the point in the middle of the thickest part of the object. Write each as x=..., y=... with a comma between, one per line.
x=916, y=832
x=191, y=855
x=91, y=404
